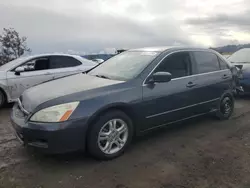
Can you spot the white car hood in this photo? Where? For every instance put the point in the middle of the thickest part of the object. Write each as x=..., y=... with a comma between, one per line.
x=2, y=75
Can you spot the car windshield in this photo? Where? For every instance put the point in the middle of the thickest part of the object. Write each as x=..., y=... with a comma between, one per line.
x=241, y=56
x=124, y=66
x=13, y=63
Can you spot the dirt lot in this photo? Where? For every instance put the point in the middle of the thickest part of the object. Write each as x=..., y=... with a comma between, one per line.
x=200, y=153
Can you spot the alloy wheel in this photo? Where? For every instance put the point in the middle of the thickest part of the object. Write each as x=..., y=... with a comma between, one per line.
x=113, y=136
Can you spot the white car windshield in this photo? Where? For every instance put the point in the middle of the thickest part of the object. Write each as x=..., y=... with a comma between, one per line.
x=12, y=64
x=124, y=66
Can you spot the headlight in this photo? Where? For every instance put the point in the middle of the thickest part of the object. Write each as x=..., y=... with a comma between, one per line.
x=56, y=113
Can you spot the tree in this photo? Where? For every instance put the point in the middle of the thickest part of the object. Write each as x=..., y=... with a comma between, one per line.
x=12, y=45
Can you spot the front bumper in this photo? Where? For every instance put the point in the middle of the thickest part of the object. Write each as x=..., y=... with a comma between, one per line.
x=50, y=137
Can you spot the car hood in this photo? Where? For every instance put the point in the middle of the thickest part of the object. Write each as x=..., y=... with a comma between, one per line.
x=2, y=75
x=39, y=94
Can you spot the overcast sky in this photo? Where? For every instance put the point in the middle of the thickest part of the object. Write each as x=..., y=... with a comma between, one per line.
x=94, y=25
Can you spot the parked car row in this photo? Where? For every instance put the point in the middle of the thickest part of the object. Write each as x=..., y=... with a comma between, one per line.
x=136, y=91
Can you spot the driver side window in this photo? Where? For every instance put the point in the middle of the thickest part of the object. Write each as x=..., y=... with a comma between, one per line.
x=36, y=65
x=178, y=64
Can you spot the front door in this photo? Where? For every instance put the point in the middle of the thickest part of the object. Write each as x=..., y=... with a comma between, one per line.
x=168, y=102
x=35, y=72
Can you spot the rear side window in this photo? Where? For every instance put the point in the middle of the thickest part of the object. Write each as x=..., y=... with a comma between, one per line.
x=178, y=64
x=223, y=64
x=63, y=62
x=206, y=62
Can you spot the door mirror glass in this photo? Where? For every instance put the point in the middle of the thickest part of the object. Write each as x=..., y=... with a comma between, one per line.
x=160, y=77
x=19, y=69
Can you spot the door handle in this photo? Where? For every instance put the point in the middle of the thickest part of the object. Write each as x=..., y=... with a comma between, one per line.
x=225, y=76
x=191, y=84
x=47, y=73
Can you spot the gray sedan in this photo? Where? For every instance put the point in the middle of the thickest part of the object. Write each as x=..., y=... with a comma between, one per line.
x=128, y=95
x=25, y=72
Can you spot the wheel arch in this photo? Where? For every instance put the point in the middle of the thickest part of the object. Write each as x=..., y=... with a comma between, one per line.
x=118, y=106
x=219, y=114
x=227, y=93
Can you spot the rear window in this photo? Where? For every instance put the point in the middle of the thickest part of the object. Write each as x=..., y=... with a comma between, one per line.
x=63, y=62
x=206, y=62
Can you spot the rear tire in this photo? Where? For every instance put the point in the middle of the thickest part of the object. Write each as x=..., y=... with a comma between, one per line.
x=2, y=99
x=226, y=107
x=110, y=136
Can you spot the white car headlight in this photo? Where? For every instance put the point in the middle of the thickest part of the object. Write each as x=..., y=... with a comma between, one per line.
x=58, y=113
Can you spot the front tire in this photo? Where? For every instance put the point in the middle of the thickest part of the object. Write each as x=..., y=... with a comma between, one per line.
x=226, y=107
x=109, y=137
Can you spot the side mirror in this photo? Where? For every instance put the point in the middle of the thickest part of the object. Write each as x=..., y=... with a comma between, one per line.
x=18, y=70
x=160, y=77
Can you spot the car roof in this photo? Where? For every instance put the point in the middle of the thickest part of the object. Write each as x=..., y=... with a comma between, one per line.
x=52, y=54
x=15, y=62
x=84, y=60
x=170, y=48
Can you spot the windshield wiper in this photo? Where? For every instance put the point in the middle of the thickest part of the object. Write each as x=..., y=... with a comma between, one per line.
x=102, y=76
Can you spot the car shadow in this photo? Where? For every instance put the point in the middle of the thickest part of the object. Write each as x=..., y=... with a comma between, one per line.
x=8, y=105
x=84, y=157
x=174, y=128
x=59, y=159
x=247, y=97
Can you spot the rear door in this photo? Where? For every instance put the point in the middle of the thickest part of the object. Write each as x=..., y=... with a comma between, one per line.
x=172, y=101
x=64, y=65
x=212, y=80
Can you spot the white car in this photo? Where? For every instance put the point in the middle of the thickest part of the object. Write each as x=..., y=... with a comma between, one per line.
x=99, y=61
x=25, y=72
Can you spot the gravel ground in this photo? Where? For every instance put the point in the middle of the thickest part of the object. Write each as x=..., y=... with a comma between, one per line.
x=204, y=153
